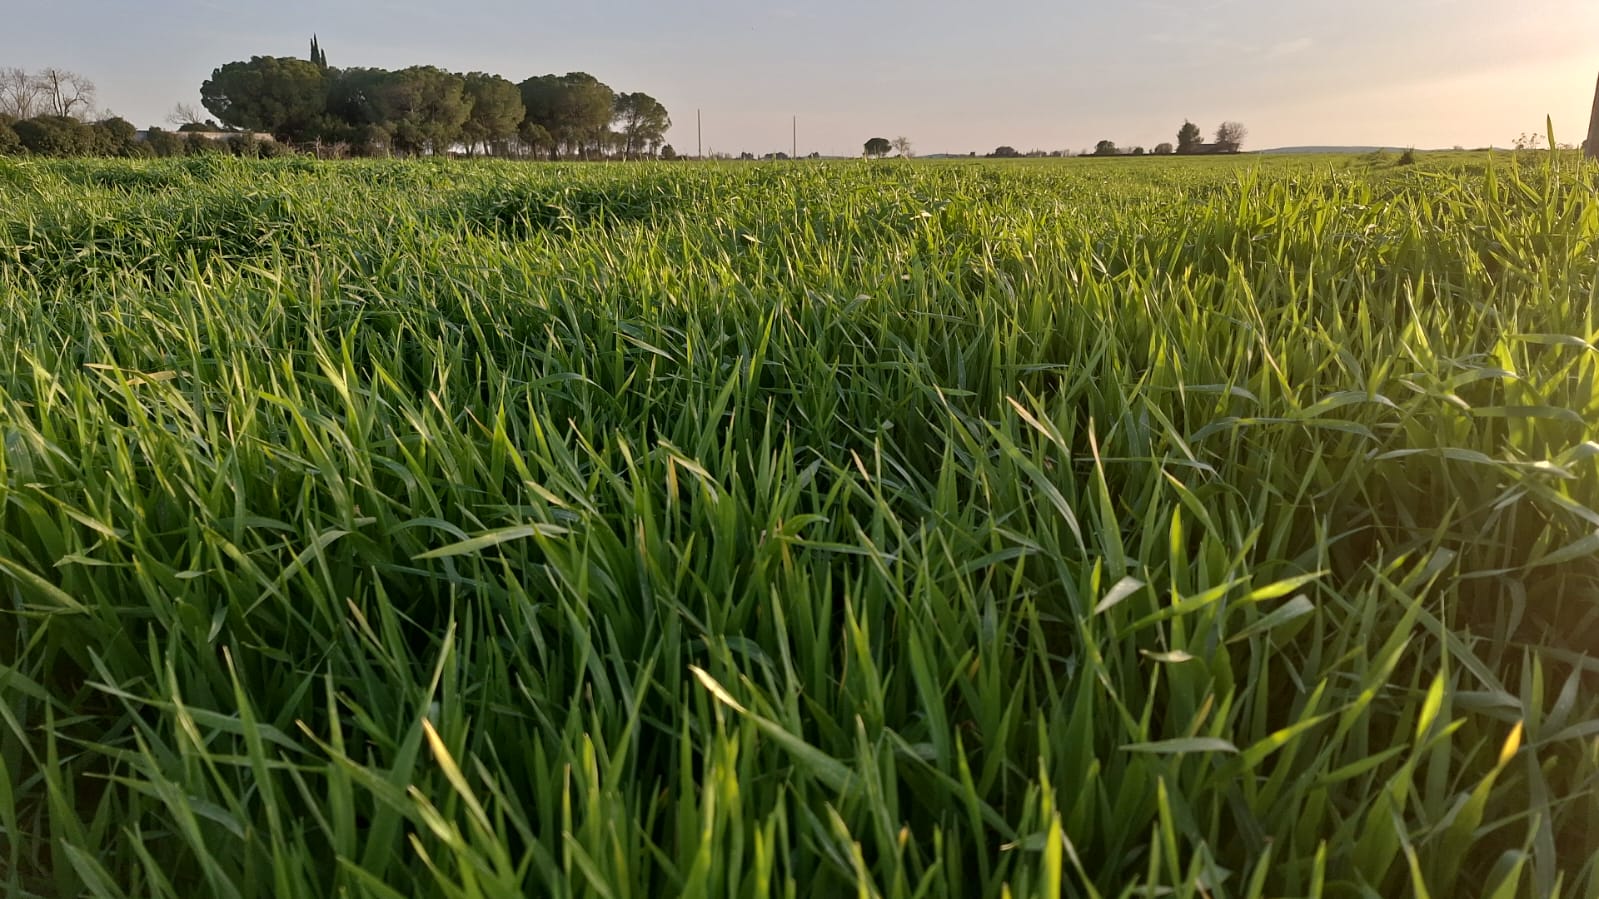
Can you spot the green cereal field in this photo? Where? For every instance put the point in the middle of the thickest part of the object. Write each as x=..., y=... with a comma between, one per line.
x=1135, y=528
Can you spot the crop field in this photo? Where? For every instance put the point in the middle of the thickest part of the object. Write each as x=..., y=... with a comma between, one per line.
x=1188, y=528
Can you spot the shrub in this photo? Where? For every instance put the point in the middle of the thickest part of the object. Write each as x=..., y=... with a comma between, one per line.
x=54, y=136
x=243, y=145
x=112, y=137
x=198, y=145
x=164, y=143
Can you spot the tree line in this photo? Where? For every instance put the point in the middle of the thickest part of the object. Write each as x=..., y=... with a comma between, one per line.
x=307, y=103
x=45, y=113
x=426, y=110
x=52, y=113
x=1190, y=142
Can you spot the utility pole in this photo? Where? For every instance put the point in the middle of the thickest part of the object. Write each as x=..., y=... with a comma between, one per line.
x=699, y=136
x=795, y=148
x=1593, y=127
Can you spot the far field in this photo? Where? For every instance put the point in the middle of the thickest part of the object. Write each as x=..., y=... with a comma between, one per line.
x=1191, y=528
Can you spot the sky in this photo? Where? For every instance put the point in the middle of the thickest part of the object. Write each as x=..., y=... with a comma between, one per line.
x=948, y=75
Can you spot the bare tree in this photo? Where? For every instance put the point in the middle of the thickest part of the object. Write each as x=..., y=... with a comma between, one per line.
x=1230, y=136
x=66, y=93
x=185, y=114
x=19, y=94
x=903, y=145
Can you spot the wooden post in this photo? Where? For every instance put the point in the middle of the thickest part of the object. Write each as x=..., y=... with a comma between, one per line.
x=1593, y=127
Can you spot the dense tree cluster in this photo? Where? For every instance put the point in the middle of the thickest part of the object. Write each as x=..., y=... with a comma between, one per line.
x=45, y=114
x=1190, y=142
x=54, y=135
x=1229, y=139
x=426, y=110
x=63, y=136
x=51, y=113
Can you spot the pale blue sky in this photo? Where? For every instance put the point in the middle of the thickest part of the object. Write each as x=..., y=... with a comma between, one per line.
x=951, y=76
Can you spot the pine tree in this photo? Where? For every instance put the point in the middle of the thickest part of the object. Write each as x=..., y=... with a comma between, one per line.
x=318, y=55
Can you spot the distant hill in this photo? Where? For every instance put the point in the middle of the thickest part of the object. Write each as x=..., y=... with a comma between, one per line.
x=1289, y=150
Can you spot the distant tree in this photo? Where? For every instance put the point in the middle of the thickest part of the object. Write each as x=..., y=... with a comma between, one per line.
x=1106, y=148
x=536, y=139
x=65, y=94
x=1189, y=138
x=903, y=146
x=814, y=155
x=319, y=57
x=668, y=153
x=1139, y=151
x=746, y=156
x=593, y=106
x=1004, y=152
x=282, y=96
x=495, y=113
x=575, y=108
x=352, y=109
x=1163, y=149
x=21, y=95
x=183, y=114
x=545, y=101
x=1230, y=137
x=375, y=139
x=877, y=147
x=426, y=107
x=643, y=123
